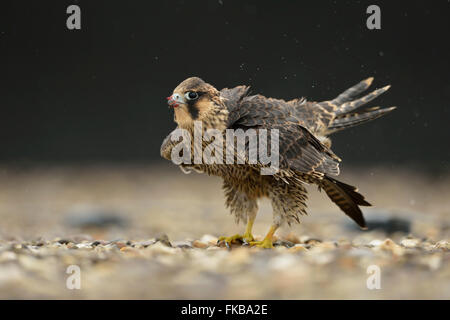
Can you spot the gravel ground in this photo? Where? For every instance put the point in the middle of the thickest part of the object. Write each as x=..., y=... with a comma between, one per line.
x=151, y=233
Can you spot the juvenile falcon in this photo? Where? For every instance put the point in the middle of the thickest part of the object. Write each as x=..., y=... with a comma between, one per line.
x=305, y=156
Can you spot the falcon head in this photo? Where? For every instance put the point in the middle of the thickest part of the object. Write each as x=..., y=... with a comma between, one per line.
x=192, y=99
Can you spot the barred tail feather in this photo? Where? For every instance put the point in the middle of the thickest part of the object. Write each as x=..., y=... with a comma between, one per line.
x=354, y=119
x=353, y=105
x=349, y=94
x=345, y=107
x=346, y=198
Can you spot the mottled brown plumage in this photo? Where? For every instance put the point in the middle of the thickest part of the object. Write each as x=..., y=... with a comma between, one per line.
x=304, y=147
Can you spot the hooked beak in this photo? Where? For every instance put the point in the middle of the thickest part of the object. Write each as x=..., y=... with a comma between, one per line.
x=175, y=100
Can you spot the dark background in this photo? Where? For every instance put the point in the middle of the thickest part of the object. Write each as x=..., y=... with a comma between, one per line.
x=97, y=95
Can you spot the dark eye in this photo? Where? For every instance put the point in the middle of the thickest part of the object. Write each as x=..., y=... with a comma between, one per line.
x=191, y=95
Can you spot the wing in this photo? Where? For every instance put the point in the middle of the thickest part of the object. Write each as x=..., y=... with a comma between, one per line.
x=299, y=149
x=166, y=146
x=302, y=151
x=233, y=98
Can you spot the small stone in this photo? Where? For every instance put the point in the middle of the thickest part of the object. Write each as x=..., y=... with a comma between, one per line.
x=17, y=247
x=108, y=247
x=207, y=238
x=84, y=246
x=283, y=243
x=33, y=249
x=213, y=248
x=56, y=245
x=389, y=245
x=120, y=245
x=443, y=244
x=161, y=248
x=199, y=244
x=410, y=243
x=311, y=241
x=182, y=244
x=164, y=239
x=298, y=248
x=71, y=245
x=376, y=243
x=143, y=244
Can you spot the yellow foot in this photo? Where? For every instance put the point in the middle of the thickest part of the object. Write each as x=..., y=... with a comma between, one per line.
x=237, y=238
x=266, y=244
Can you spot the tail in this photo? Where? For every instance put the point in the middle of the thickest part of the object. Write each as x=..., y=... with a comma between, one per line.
x=345, y=111
x=346, y=197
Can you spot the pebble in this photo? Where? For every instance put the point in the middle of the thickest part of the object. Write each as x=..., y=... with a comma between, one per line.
x=241, y=267
x=199, y=244
x=389, y=245
x=283, y=243
x=84, y=246
x=160, y=248
x=164, y=239
x=298, y=248
x=376, y=243
x=144, y=244
x=71, y=245
x=207, y=238
x=443, y=244
x=410, y=243
x=182, y=244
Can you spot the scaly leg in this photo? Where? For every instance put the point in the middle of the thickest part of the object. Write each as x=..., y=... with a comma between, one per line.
x=247, y=237
x=267, y=242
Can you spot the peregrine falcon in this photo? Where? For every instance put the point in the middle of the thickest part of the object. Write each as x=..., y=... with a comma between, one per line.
x=304, y=148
